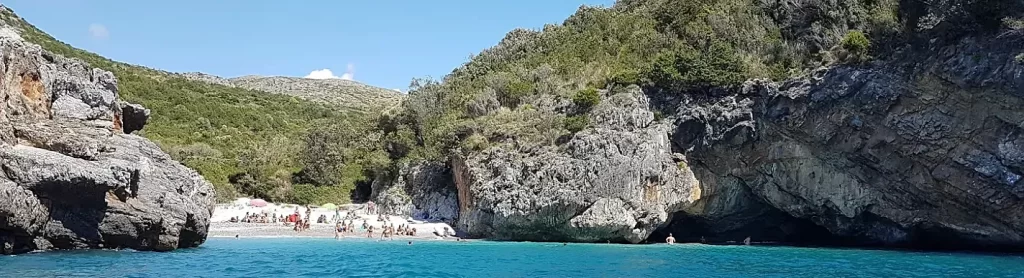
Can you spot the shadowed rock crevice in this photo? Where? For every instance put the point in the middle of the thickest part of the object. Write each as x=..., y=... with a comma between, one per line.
x=768, y=227
x=76, y=210
x=424, y=191
x=362, y=192
x=133, y=117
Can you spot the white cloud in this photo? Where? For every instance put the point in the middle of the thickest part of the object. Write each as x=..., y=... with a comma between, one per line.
x=321, y=74
x=98, y=31
x=349, y=74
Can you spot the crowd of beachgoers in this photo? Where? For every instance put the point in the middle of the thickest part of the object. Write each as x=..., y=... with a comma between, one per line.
x=255, y=218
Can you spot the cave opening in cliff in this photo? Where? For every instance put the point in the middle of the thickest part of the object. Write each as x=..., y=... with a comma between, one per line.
x=78, y=205
x=361, y=193
x=937, y=237
x=771, y=227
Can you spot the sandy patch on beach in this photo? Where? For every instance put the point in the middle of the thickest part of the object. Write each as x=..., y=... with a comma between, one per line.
x=254, y=230
x=221, y=227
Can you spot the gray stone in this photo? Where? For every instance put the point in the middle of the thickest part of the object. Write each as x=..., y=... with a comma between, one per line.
x=71, y=178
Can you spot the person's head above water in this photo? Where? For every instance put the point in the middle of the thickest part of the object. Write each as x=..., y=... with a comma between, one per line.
x=669, y=234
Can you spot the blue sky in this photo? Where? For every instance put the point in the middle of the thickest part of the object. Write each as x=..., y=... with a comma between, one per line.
x=384, y=43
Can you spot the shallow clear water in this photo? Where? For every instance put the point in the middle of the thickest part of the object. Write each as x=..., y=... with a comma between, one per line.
x=364, y=258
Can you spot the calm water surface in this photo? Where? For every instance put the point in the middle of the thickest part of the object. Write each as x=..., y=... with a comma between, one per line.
x=359, y=258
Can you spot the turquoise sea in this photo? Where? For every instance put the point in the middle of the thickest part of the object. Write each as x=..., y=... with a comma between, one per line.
x=291, y=257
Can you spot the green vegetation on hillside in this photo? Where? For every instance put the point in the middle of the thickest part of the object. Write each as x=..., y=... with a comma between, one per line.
x=536, y=86
x=242, y=141
x=526, y=91
x=856, y=45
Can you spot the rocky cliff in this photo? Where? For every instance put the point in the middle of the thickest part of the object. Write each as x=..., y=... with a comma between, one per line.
x=72, y=175
x=923, y=149
x=615, y=182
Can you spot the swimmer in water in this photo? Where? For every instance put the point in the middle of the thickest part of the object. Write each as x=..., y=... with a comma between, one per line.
x=670, y=239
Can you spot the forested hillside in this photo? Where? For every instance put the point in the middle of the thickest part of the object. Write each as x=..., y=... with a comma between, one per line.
x=536, y=86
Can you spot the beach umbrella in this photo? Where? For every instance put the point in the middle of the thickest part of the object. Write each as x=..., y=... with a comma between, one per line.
x=329, y=206
x=258, y=203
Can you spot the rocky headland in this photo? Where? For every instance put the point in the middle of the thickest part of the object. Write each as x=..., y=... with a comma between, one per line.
x=923, y=149
x=73, y=176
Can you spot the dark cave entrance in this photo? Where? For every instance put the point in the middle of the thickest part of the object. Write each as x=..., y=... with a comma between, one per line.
x=361, y=194
x=772, y=227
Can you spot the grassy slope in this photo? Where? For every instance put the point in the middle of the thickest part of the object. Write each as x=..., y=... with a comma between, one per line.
x=205, y=126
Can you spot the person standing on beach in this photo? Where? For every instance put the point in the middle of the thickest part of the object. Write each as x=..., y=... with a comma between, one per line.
x=337, y=230
x=337, y=215
x=369, y=231
x=309, y=212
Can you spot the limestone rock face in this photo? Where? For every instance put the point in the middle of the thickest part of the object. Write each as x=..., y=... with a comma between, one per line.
x=615, y=182
x=923, y=151
x=71, y=178
x=423, y=190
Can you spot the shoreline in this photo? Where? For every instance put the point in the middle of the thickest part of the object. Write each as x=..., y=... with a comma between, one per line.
x=325, y=233
x=280, y=230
